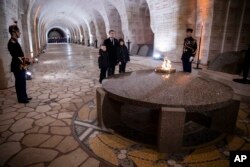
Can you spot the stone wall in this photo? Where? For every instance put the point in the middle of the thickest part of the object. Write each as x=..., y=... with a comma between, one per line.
x=101, y=29
x=204, y=21
x=114, y=19
x=93, y=33
x=228, y=62
x=230, y=28
x=169, y=20
x=224, y=24
x=8, y=10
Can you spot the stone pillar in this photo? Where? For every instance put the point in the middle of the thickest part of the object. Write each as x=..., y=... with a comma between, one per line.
x=108, y=111
x=136, y=20
x=93, y=35
x=171, y=129
x=35, y=38
x=230, y=27
x=100, y=28
x=204, y=18
x=169, y=20
x=24, y=33
x=8, y=10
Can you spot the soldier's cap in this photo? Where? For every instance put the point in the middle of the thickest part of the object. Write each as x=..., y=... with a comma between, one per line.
x=13, y=28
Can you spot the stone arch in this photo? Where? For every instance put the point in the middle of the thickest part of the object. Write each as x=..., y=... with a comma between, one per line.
x=144, y=14
x=64, y=26
x=114, y=17
x=92, y=34
x=100, y=26
x=22, y=18
x=56, y=35
x=76, y=34
x=135, y=15
x=83, y=34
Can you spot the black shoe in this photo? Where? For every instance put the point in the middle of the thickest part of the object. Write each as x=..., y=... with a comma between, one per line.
x=29, y=98
x=24, y=101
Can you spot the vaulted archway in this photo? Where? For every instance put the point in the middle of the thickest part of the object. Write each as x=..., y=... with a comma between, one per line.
x=56, y=35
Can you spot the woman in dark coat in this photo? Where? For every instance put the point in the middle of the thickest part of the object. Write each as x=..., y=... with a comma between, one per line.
x=103, y=62
x=123, y=56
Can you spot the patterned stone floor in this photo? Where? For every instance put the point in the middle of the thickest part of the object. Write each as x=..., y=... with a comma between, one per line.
x=58, y=127
x=39, y=133
x=119, y=151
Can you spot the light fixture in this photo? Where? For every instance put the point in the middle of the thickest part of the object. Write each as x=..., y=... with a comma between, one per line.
x=36, y=60
x=28, y=75
x=157, y=55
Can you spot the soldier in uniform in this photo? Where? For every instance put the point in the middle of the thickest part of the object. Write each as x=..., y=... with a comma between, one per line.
x=18, y=64
x=189, y=51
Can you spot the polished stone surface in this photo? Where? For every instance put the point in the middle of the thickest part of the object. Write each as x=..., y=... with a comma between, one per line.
x=173, y=90
x=166, y=102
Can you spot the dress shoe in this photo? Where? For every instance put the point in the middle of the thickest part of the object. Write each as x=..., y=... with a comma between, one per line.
x=24, y=101
x=29, y=98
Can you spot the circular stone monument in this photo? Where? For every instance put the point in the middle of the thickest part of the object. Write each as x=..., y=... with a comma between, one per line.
x=168, y=102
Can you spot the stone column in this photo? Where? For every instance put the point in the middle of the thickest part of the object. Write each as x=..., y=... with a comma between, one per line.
x=230, y=27
x=139, y=31
x=8, y=10
x=108, y=111
x=204, y=20
x=113, y=19
x=170, y=129
x=169, y=20
x=25, y=35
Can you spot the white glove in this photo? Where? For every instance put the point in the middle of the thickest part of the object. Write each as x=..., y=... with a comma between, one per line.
x=191, y=59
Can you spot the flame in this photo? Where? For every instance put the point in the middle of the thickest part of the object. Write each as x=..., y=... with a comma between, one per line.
x=166, y=65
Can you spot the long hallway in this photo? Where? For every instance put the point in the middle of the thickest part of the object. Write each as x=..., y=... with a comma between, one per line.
x=58, y=127
x=40, y=133
x=182, y=98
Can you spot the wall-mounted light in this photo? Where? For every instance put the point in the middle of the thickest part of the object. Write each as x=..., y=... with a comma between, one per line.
x=36, y=60
x=28, y=75
x=158, y=55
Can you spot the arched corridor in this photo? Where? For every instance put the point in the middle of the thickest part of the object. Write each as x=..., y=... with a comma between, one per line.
x=56, y=35
x=160, y=25
x=71, y=120
x=63, y=89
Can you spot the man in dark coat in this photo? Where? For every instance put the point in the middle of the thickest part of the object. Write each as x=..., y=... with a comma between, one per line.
x=18, y=64
x=189, y=51
x=112, y=43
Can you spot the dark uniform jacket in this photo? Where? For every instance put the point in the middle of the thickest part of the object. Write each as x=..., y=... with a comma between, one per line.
x=123, y=54
x=103, y=60
x=112, y=48
x=189, y=48
x=15, y=51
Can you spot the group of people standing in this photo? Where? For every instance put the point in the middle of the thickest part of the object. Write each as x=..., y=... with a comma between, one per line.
x=113, y=52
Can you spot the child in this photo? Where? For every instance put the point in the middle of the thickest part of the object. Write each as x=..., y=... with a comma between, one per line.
x=123, y=56
x=103, y=62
